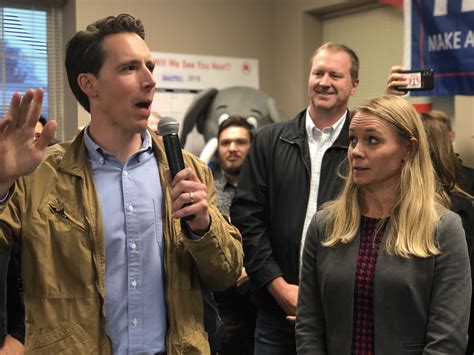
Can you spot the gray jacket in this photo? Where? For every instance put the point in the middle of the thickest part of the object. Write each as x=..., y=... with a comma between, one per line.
x=421, y=305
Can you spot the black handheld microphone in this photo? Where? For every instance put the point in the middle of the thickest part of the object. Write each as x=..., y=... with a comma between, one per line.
x=168, y=128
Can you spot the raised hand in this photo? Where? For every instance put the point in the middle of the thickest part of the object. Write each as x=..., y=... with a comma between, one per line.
x=396, y=80
x=20, y=153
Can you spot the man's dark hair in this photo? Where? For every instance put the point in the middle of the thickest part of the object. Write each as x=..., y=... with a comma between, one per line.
x=236, y=121
x=85, y=53
x=42, y=120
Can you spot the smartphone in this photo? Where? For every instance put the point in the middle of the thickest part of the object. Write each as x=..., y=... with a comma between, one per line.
x=419, y=79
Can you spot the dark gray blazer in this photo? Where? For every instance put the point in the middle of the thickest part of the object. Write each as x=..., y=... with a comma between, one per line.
x=421, y=305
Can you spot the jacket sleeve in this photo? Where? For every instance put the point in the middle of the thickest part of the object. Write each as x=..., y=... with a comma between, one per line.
x=249, y=211
x=310, y=324
x=446, y=332
x=218, y=253
x=10, y=223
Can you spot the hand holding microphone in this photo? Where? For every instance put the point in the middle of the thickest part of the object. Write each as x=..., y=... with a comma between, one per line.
x=188, y=194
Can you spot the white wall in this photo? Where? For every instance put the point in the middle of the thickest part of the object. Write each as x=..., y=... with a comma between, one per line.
x=281, y=34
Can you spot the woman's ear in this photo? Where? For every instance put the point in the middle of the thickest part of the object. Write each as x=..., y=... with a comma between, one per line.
x=411, y=149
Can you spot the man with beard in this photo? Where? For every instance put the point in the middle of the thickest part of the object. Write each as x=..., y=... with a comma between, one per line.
x=234, y=137
x=290, y=171
x=235, y=309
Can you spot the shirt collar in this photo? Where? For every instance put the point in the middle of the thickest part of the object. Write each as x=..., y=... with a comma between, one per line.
x=98, y=154
x=224, y=180
x=314, y=132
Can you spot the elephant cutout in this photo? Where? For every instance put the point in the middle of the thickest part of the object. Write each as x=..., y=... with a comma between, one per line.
x=210, y=107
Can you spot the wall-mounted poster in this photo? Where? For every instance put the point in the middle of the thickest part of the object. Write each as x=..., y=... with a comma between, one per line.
x=180, y=76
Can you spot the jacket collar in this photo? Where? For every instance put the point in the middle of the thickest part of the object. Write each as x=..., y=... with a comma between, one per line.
x=343, y=139
x=159, y=148
x=75, y=156
x=296, y=131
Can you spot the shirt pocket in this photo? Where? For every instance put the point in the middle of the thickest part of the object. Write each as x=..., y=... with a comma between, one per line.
x=57, y=256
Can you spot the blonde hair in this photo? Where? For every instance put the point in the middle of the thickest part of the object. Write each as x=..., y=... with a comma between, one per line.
x=416, y=211
x=443, y=117
x=446, y=163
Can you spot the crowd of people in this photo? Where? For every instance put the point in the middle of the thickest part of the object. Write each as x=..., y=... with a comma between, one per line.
x=336, y=232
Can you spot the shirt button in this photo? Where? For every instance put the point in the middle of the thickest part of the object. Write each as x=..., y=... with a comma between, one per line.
x=133, y=245
x=134, y=321
x=130, y=208
x=101, y=160
x=134, y=283
x=125, y=173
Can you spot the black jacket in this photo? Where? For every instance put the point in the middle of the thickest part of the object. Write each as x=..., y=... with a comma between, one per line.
x=468, y=179
x=464, y=207
x=269, y=205
x=12, y=311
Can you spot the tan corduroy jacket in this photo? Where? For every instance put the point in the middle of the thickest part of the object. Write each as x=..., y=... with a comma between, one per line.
x=55, y=215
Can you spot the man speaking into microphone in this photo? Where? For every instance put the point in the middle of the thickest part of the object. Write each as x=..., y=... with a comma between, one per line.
x=112, y=262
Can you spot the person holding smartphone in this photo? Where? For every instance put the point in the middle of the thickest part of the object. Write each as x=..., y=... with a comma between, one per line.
x=400, y=80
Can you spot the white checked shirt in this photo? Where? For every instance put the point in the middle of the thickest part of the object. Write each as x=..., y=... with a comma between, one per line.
x=318, y=142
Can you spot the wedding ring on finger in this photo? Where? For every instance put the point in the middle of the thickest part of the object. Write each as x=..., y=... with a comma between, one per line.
x=191, y=198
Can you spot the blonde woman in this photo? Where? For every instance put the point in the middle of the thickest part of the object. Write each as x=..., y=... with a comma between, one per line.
x=385, y=266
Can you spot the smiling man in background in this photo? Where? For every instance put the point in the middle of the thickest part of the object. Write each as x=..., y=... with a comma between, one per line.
x=290, y=171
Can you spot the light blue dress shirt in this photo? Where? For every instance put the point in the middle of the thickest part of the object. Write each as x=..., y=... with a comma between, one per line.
x=130, y=197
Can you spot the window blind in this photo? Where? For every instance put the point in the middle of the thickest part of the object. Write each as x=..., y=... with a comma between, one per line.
x=31, y=55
